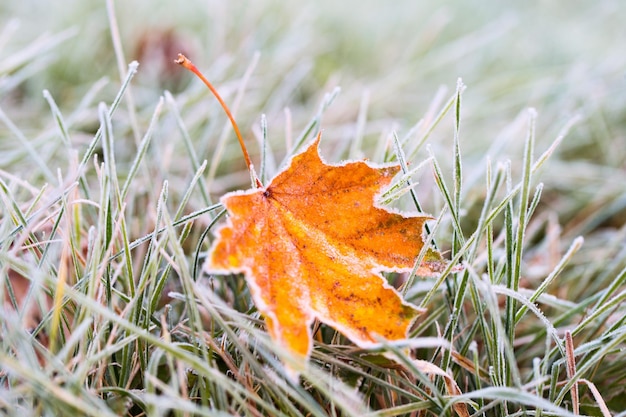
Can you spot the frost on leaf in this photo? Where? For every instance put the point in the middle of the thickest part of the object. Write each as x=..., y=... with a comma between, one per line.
x=312, y=244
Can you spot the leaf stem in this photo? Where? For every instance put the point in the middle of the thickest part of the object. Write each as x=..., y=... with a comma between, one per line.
x=185, y=62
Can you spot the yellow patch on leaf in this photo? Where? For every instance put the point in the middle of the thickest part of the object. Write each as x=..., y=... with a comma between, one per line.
x=312, y=245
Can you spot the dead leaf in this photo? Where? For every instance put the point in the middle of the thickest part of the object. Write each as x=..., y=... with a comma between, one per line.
x=312, y=245
x=451, y=386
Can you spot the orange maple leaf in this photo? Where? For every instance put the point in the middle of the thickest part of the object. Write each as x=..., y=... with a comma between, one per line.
x=312, y=244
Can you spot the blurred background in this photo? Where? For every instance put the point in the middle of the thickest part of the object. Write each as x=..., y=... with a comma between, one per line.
x=396, y=63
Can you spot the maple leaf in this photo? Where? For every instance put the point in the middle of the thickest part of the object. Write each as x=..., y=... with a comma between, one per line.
x=312, y=244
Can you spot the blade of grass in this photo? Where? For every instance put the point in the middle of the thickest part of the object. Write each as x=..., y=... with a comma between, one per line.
x=121, y=64
x=191, y=152
x=58, y=117
x=314, y=123
x=458, y=236
x=141, y=150
x=39, y=162
x=132, y=70
x=575, y=246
